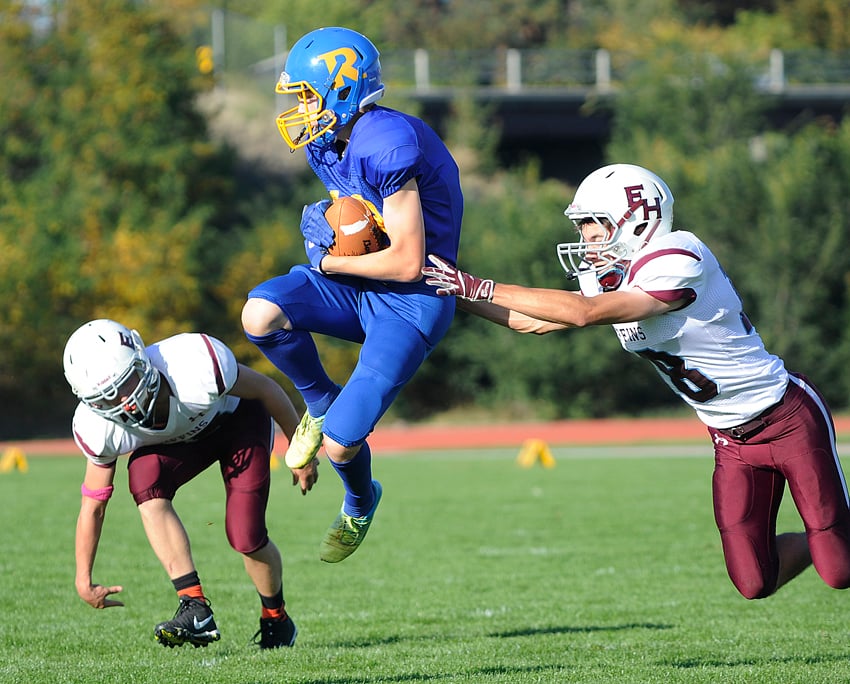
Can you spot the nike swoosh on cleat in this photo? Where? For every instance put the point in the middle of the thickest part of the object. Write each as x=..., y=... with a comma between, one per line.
x=203, y=623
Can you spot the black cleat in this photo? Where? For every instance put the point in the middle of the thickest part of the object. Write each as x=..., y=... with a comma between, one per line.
x=193, y=623
x=276, y=633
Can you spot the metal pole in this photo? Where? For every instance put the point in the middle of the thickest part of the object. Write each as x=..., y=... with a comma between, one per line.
x=776, y=80
x=421, y=68
x=217, y=29
x=280, y=48
x=513, y=70
x=603, y=71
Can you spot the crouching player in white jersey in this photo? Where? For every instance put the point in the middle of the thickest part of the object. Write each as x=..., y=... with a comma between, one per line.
x=670, y=302
x=177, y=407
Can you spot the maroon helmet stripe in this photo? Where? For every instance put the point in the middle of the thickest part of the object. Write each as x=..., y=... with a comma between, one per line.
x=219, y=378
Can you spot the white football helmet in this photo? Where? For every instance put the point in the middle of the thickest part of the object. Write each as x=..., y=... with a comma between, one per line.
x=109, y=370
x=637, y=206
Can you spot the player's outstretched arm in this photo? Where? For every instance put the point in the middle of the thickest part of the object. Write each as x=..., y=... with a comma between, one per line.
x=253, y=385
x=541, y=310
x=516, y=321
x=96, y=490
x=475, y=295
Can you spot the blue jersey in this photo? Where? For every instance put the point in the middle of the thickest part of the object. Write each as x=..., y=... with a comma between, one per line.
x=398, y=324
x=386, y=149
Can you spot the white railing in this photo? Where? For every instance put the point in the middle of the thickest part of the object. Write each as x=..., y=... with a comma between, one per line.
x=237, y=46
x=516, y=71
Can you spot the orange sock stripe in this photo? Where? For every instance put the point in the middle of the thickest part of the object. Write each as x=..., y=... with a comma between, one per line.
x=274, y=613
x=194, y=591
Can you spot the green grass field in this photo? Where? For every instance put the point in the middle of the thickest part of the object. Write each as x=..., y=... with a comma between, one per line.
x=606, y=568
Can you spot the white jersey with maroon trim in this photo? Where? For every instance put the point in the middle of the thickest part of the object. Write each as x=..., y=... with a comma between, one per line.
x=199, y=369
x=708, y=352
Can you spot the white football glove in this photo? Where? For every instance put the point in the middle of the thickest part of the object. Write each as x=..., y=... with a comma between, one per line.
x=449, y=280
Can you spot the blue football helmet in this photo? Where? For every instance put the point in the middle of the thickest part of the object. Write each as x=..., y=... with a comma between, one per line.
x=333, y=72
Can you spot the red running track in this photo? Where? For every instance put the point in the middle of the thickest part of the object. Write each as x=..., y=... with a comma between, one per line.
x=421, y=437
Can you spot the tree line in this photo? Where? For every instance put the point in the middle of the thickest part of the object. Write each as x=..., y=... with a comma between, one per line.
x=116, y=201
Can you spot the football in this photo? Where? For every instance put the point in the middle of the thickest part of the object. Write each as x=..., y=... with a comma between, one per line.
x=356, y=230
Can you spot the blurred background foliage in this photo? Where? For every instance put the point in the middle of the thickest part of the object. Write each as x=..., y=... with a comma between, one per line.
x=127, y=191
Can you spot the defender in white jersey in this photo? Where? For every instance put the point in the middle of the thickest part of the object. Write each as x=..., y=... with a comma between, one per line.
x=670, y=302
x=177, y=407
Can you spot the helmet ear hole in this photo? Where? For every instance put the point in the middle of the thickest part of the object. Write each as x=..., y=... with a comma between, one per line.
x=344, y=93
x=639, y=229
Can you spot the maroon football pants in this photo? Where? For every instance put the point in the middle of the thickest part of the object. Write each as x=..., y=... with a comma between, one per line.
x=797, y=447
x=241, y=444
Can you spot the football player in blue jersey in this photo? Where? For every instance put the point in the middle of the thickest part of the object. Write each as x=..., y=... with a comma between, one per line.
x=399, y=165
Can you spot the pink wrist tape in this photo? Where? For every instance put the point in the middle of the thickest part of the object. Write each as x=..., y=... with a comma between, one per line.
x=101, y=494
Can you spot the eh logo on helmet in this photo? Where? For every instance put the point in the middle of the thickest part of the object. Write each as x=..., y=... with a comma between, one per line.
x=636, y=201
x=125, y=340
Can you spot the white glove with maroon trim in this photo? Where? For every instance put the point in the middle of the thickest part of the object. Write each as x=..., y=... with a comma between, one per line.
x=449, y=280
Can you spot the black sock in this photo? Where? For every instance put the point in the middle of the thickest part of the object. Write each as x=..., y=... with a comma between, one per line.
x=186, y=581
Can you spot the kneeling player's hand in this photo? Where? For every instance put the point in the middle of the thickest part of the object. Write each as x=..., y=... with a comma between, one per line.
x=306, y=476
x=97, y=596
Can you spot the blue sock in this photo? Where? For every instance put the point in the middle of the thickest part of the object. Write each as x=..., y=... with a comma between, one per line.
x=293, y=353
x=356, y=476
